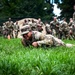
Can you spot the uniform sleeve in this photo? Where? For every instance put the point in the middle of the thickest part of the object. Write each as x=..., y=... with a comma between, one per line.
x=45, y=42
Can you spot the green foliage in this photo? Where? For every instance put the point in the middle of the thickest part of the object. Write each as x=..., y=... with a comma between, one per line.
x=67, y=8
x=25, y=8
x=17, y=60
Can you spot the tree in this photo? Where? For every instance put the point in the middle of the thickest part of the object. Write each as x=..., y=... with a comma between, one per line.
x=26, y=8
x=67, y=8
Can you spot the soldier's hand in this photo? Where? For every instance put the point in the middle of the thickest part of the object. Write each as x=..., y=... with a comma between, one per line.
x=35, y=44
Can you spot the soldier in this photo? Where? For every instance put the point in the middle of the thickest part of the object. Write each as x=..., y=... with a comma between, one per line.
x=10, y=26
x=24, y=30
x=16, y=29
x=65, y=29
x=37, y=39
x=73, y=32
x=33, y=25
x=48, y=28
x=4, y=30
x=71, y=28
x=36, y=26
x=70, y=22
x=25, y=22
x=40, y=22
x=74, y=15
x=39, y=27
x=55, y=27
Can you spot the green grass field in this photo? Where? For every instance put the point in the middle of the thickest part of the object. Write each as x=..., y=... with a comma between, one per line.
x=17, y=60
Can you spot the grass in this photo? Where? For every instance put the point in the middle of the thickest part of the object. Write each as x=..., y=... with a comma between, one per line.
x=18, y=60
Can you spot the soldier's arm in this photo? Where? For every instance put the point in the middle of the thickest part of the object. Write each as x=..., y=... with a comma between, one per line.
x=57, y=24
x=48, y=29
x=23, y=42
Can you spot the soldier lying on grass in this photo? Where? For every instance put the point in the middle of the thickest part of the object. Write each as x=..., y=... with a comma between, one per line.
x=36, y=39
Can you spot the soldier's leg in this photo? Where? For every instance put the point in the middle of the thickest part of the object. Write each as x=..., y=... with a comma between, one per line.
x=60, y=34
x=57, y=33
x=8, y=35
x=16, y=34
x=58, y=42
x=12, y=36
x=74, y=35
x=67, y=34
x=63, y=37
x=4, y=34
x=70, y=35
x=53, y=32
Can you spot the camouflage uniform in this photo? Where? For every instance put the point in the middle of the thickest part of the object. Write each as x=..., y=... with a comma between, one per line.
x=74, y=18
x=70, y=23
x=70, y=28
x=0, y=30
x=39, y=27
x=48, y=28
x=73, y=29
x=25, y=22
x=48, y=40
x=16, y=30
x=42, y=39
x=55, y=28
x=64, y=29
x=10, y=26
x=33, y=26
x=4, y=30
